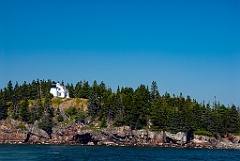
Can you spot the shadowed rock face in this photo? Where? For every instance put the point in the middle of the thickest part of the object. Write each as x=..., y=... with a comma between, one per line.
x=83, y=138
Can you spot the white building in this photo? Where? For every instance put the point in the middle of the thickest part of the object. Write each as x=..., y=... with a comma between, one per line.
x=59, y=91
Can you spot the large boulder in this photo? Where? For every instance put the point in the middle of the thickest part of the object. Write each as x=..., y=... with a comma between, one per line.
x=178, y=138
x=233, y=139
x=98, y=136
x=203, y=138
x=39, y=132
x=155, y=137
x=124, y=131
x=140, y=134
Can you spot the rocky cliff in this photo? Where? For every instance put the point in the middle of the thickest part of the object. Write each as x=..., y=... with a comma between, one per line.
x=119, y=136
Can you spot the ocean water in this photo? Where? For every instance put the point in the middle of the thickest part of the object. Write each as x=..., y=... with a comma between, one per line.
x=95, y=153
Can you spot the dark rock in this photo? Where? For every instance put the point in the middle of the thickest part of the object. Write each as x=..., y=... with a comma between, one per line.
x=119, y=136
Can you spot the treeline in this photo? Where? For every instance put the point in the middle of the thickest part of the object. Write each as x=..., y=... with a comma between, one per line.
x=35, y=90
x=144, y=107
x=15, y=103
x=139, y=108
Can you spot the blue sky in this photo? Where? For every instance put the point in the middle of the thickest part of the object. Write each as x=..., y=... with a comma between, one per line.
x=185, y=46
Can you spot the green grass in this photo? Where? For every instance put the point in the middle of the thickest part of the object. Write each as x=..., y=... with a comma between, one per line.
x=22, y=127
x=92, y=127
x=67, y=99
x=30, y=101
x=57, y=101
x=202, y=132
x=237, y=134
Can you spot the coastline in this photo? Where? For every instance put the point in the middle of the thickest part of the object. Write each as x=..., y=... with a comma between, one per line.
x=163, y=145
x=77, y=134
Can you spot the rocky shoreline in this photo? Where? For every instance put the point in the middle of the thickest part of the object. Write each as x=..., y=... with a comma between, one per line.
x=80, y=134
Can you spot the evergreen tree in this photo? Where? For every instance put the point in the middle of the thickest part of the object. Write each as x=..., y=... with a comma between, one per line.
x=81, y=116
x=223, y=118
x=24, y=111
x=15, y=110
x=108, y=109
x=85, y=91
x=71, y=90
x=25, y=91
x=16, y=91
x=3, y=107
x=7, y=95
x=95, y=88
x=120, y=109
x=59, y=116
x=174, y=121
x=78, y=90
x=141, y=108
x=37, y=110
x=160, y=115
x=233, y=126
x=126, y=100
x=46, y=122
x=10, y=87
x=93, y=107
x=34, y=90
x=154, y=91
x=197, y=113
x=9, y=91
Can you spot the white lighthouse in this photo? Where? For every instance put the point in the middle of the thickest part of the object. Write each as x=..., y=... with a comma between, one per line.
x=59, y=91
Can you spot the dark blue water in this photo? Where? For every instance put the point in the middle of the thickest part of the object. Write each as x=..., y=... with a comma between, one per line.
x=73, y=152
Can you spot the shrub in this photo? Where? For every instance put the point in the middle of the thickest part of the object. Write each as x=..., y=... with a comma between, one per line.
x=60, y=118
x=104, y=123
x=71, y=111
x=21, y=126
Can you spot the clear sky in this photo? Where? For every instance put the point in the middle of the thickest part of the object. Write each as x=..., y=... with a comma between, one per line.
x=185, y=46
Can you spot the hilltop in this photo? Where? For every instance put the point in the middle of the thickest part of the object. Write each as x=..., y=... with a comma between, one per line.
x=79, y=103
